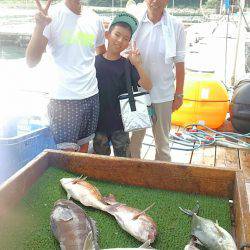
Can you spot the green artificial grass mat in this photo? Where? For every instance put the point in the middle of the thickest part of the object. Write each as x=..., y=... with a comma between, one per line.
x=27, y=226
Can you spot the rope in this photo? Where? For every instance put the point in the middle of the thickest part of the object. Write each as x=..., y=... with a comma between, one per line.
x=193, y=138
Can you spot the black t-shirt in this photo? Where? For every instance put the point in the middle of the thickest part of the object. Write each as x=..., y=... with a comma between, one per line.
x=112, y=83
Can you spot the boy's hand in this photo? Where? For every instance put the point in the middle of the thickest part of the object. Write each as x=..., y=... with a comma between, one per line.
x=134, y=56
x=41, y=17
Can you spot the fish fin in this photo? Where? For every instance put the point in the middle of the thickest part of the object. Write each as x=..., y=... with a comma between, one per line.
x=110, y=199
x=196, y=208
x=186, y=211
x=77, y=179
x=61, y=213
x=53, y=227
x=89, y=242
x=83, y=178
x=95, y=233
x=93, y=225
x=143, y=212
x=218, y=228
x=195, y=241
x=193, y=244
x=189, y=212
x=146, y=244
x=85, y=202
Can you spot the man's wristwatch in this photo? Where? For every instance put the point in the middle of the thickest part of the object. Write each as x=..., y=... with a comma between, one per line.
x=178, y=96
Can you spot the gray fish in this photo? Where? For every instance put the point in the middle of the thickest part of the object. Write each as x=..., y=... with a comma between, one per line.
x=209, y=233
x=72, y=227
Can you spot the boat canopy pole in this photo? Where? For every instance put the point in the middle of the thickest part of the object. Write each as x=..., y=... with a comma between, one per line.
x=227, y=7
x=247, y=25
x=221, y=6
x=233, y=78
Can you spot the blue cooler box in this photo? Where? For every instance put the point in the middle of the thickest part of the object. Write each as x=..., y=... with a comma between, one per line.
x=16, y=151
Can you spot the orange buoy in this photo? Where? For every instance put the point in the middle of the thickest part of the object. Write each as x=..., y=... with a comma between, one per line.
x=205, y=102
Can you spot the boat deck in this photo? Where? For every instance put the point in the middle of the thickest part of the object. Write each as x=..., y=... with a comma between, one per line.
x=214, y=156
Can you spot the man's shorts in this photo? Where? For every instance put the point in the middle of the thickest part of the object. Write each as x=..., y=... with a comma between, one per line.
x=120, y=142
x=73, y=121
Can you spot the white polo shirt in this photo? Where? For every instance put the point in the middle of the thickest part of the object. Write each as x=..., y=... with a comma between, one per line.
x=72, y=40
x=150, y=42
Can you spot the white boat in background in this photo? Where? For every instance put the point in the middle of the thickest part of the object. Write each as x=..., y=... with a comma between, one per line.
x=212, y=47
x=221, y=46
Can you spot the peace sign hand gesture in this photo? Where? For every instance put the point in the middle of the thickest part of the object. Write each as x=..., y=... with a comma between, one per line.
x=42, y=18
x=134, y=56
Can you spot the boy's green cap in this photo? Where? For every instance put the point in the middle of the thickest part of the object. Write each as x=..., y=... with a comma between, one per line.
x=127, y=18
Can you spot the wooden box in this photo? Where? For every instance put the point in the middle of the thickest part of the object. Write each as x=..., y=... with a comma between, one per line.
x=228, y=183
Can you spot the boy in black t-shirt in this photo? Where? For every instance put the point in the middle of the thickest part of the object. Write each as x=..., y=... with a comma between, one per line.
x=110, y=72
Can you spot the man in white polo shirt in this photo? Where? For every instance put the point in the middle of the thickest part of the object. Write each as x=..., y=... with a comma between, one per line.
x=73, y=35
x=161, y=41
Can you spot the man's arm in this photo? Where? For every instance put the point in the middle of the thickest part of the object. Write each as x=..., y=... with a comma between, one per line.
x=180, y=77
x=179, y=66
x=100, y=39
x=36, y=46
x=38, y=42
x=100, y=49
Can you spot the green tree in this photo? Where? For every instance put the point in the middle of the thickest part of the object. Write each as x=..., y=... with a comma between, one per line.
x=213, y=4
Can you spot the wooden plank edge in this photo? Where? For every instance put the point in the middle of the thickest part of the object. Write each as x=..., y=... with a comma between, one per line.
x=157, y=174
x=14, y=188
x=241, y=213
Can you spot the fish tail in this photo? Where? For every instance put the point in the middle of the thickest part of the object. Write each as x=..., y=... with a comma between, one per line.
x=111, y=209
x=111, y=204
x=110, y=199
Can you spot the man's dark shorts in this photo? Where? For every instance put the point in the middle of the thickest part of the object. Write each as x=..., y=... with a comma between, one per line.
x=73, y=121
x=120, y=142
